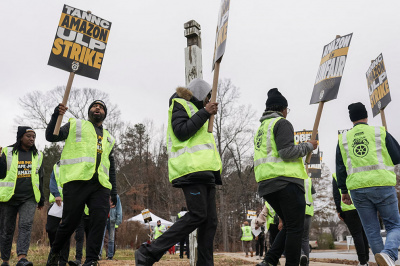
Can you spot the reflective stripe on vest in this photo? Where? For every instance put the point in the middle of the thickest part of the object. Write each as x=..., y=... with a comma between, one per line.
x=78, y=130
x=343, y=205
x=9, y=158
x=246, y=233
x=267, y=162
x=196, y=154
x=7, y=184
x=77, y=160
x=367, y=160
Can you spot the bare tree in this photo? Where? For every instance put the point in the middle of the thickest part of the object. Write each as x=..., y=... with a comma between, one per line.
x=39, y=106
x=233, y=128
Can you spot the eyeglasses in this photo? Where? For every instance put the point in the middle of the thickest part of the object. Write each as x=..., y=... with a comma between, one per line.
x=287, y=110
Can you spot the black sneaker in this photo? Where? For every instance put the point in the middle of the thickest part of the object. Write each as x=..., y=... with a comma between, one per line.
x=24, y=262
x=53, y=259
x=74, y=263
x=303, y=260
x=143, y=260
x=264, y=263
x=5, y=264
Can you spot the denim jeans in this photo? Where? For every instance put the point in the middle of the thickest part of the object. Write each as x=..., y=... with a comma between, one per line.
x=371, y=200
x=110, y=227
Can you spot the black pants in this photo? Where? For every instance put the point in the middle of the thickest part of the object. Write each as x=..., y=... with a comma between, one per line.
x=289, y=203
x=80, y=232
x=200, y=200
x=260, y=245
x=273, y=232
x=76, y=195
x=51, y=229
x=353, y=222
x=182, y=246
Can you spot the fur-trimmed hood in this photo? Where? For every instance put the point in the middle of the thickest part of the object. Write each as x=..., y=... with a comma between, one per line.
x=196, y=91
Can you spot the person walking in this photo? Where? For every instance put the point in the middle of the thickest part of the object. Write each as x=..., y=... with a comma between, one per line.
x=280, y=173
x=260, y=238
x=88, y=176
x=348, y=214
x=193, y=165
x=305, y=240
x=21, y=192
x=115, y=219
x=247, y=238
x=54, y=221
x=365, y=159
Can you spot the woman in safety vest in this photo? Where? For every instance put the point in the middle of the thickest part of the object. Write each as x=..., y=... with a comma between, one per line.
x=21, y=191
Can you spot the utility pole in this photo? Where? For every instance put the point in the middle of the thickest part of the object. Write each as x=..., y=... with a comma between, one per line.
x=193, y=69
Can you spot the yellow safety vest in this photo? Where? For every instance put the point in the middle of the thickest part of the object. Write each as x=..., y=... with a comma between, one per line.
x=56, y=171
x=198, y=153
x=7, y=185
x=78, y=158
x=343, y=205
x=308, y=196
x=246, y=233
x=158, y=231
x=267, y=163
x=367, y=160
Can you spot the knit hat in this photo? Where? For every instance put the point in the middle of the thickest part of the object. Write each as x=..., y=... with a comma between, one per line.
x=357, y=111
x=101, y=103
x=275, y=98
x=22, y=130
x=199, y=88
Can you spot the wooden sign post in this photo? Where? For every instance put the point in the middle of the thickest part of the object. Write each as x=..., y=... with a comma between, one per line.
x=329, y=76
x=78, y=47
x=219, y=50
x=193, y=69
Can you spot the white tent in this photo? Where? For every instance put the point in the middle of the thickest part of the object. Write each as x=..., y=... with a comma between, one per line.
x=154, y=219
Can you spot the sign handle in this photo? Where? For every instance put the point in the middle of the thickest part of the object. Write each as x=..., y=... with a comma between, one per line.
x=65, y=100
x=315, y=128
x=383, y=118
x=214, y=94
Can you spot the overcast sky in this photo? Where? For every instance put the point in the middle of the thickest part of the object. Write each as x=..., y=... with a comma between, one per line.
x=270, y=44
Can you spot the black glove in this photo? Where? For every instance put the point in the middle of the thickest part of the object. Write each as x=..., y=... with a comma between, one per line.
x=41, y=203
x=114, y=199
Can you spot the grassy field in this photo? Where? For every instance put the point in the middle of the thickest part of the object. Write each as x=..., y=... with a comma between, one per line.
x=38, y=255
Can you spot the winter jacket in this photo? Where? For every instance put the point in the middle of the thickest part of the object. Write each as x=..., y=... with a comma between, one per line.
x=184, y=128
x=116, y=213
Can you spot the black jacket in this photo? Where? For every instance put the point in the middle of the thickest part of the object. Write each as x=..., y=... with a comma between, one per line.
x=184, y=128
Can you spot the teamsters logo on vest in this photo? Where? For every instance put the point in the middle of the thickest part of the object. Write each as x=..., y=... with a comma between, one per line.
x=260, y=134
x=360, y=146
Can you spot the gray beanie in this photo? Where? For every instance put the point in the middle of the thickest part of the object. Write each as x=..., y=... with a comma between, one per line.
x=199, y=88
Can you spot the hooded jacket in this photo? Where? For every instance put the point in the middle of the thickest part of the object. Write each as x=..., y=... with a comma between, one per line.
x=184, y=128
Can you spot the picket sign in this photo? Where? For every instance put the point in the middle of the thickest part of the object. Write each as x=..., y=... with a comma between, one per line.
x=214, y=94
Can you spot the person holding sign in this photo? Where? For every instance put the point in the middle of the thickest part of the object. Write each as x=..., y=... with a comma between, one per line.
x=365, y=159
x=280, y=173
x=348, y=214
x=193, y=165
x=21, y=190
x=88, y=175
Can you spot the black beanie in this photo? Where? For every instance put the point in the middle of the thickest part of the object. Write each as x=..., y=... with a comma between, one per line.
x=101, y=103
x=275, y=98
x=357, y=111
x=22, y=130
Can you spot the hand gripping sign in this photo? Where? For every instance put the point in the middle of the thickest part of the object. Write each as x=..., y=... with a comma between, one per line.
x=329, y=76
x=219, y=50
x=79, y=46
x=378, y=87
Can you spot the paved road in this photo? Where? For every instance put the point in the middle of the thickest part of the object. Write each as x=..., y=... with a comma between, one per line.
x=340, y=254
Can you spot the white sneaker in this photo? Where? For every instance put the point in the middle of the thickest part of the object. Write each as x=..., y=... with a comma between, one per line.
x=260, y=258
x=366, y=264
x=384, y=259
